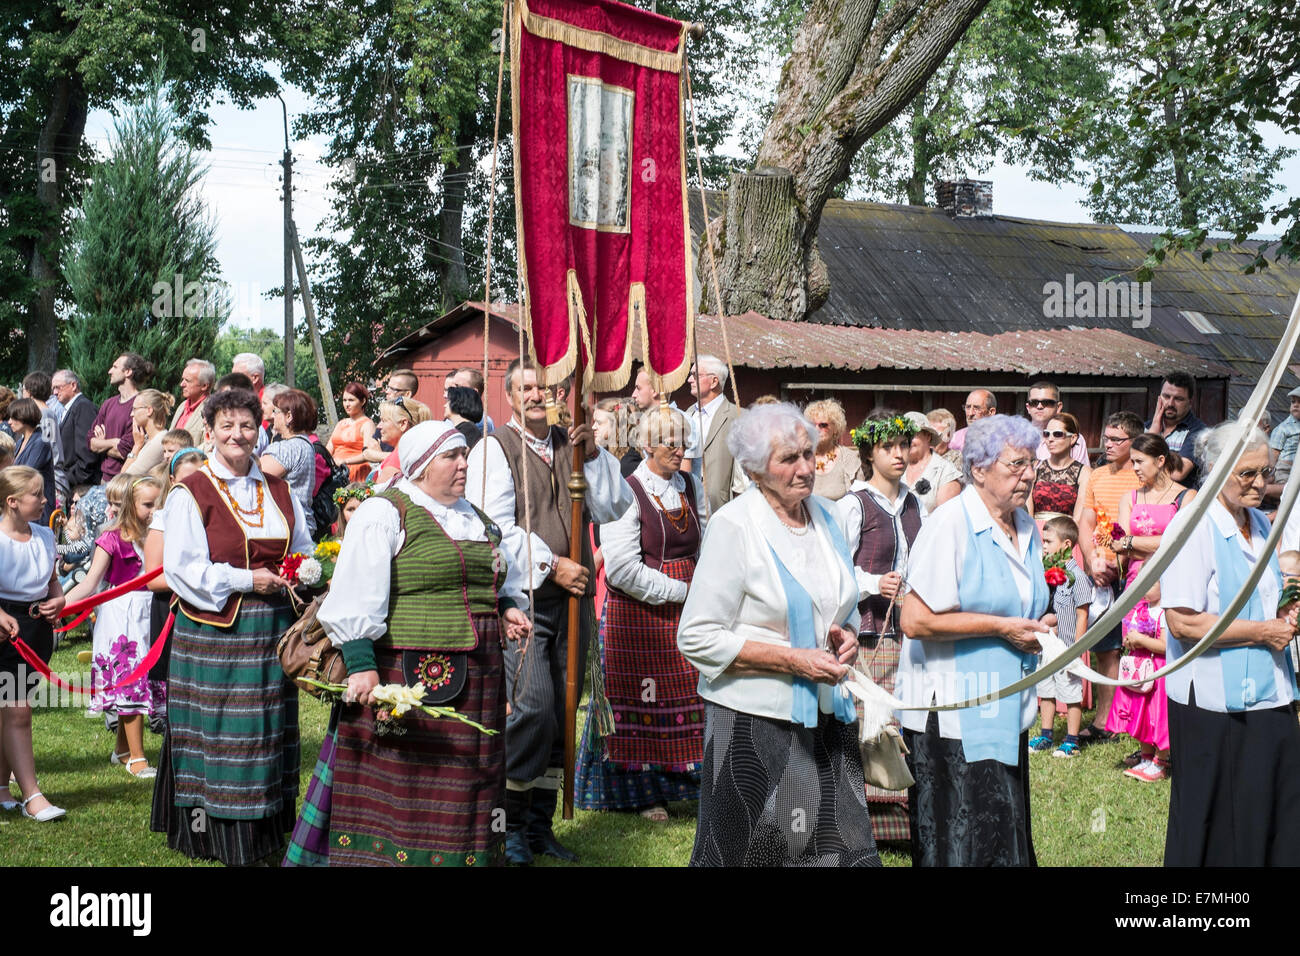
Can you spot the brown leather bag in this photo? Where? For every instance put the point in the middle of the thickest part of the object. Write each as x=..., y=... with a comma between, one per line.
x=306, y=652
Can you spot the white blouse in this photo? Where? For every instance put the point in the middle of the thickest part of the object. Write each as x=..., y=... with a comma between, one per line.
x=938, y=471
x=1192, y=581
x=927, y=671
x=849, y=509
x=620, y=541
x=187, y=561
x=608, y=495
x=27, y=566
x=373, y=538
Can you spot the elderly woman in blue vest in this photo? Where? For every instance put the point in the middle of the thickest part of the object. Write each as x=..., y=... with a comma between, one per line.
x=971, y=618
x=771, y=626
x=1234, y=739
x=881, y=518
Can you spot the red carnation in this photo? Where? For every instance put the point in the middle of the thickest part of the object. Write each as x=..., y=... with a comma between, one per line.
x=1055, y=577
x=289, y=567
x=1116, y=532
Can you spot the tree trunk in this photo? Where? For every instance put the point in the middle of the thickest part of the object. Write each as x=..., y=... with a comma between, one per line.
x=60, y=140
x=853, y=68
x=921, y=152
x=453, y=278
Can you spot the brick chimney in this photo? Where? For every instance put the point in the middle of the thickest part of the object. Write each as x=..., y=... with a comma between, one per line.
x=965, y=198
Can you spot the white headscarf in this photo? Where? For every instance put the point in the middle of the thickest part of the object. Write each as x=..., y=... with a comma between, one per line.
x=418, y=446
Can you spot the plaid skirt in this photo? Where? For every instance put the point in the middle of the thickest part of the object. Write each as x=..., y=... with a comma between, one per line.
x=309, y=843
x=890, y=821
x=227, y=782
x=658, y=715
x=435, y=795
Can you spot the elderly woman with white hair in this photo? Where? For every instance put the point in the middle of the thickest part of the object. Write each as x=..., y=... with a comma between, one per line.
x=653, y=755
x=772, y=636
x=443, y=590
x=1232, y=711
x=972, y=616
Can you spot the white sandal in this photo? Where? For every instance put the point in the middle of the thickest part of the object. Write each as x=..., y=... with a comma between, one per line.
x=118, y=758
x=42, y=816
x=148, y=773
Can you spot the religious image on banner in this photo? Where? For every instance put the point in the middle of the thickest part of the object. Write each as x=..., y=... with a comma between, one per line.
x=600, y=190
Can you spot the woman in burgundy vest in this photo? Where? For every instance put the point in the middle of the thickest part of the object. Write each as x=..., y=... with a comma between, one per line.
x=227, y=780
x=881, y=518
x=645, y=749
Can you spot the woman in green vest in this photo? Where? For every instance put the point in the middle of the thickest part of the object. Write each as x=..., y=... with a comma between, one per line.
x=432, y=591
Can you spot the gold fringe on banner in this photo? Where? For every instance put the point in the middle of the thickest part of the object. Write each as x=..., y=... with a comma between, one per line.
x=577, y=323
x=595, y=42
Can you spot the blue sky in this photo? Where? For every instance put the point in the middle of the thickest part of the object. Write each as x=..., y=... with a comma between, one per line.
x=242, y=189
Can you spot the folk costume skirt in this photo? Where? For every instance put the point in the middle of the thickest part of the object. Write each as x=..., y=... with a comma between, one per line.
x=38, y=634
x=890, y=822
x=227, y=782
x=435, y=795
x=1235, y=791
x=967, y=814
x=776, y=793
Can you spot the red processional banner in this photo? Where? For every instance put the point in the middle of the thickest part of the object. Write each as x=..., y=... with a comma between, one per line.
x=600, y=189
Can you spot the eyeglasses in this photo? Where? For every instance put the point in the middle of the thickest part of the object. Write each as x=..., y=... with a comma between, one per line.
x=1017, y=466
x=1249, y=476
x=976, y=408
x=1115, y=441
x=1042, y=402
x=1049, y=434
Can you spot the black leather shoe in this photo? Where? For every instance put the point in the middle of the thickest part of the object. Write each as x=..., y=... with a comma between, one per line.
x=546, y=844
x=517, y=850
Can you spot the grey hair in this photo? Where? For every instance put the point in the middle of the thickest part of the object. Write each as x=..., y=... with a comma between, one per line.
x=207, y=371
x=69, y=376
x=250, y=361
x=1218, y=438
x=764, y=430
x=658, y=427
x=987, y=438
x=272, y=389
x=712, y=365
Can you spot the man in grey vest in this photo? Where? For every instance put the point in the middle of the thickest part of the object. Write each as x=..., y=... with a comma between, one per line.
x=536, y=690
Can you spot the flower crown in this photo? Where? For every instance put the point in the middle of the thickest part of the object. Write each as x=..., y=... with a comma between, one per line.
x=361, y=494
x=878, y=431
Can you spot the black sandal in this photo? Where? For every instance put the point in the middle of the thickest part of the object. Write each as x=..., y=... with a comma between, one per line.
x=1093, y=734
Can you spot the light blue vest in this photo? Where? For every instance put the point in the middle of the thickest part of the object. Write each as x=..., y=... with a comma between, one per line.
x=803, y=633
x=992, y=732
x=1247, y=671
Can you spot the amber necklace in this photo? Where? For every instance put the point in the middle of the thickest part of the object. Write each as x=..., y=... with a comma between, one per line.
x=239, y=511
x=681, y=514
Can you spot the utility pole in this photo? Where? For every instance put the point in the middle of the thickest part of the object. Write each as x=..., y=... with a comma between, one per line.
x=287, y=164
x=309, y=309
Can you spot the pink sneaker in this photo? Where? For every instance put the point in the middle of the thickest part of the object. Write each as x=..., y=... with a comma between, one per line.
x=1148, y=771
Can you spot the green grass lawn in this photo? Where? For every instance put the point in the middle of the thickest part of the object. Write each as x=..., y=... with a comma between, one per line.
x=1085, y=812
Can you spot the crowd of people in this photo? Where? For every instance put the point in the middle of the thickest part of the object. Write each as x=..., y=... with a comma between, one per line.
x=737, y=565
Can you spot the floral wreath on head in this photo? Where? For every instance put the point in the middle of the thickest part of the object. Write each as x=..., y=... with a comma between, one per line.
x=342, y=496
x=878, y=431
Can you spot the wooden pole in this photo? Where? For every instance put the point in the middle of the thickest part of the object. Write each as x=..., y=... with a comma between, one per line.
x=309, y=307
x=573, y=672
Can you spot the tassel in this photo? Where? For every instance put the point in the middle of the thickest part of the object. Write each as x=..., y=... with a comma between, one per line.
x=600, y=715
x=552, y=410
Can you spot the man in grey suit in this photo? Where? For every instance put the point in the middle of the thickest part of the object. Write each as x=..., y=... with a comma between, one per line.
x=80, y=464
x=711, y=417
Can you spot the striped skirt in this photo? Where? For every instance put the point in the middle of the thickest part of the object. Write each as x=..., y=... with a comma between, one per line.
x=434, y=796
x=890, y=821
x=228, y=780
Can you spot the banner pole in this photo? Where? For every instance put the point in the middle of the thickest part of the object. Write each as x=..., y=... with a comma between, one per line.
x=573, y=671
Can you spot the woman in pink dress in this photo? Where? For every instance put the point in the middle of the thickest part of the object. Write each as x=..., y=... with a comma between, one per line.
x=1149, y=508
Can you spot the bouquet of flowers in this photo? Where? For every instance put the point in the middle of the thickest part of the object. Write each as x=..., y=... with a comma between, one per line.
x=1108, y=532
x=394, y=701
x=1054, y=569
x=311, y=570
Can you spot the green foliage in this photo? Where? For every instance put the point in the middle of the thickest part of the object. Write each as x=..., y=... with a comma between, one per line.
x=143, y=234
x=269, y=345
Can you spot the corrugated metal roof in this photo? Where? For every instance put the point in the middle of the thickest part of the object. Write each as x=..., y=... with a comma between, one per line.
x=760, y=342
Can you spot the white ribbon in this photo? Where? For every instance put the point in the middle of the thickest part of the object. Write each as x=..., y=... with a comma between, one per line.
x=874, y=698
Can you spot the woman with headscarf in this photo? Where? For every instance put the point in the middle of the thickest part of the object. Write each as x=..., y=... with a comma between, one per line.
x=772, y=636
x=444, y=590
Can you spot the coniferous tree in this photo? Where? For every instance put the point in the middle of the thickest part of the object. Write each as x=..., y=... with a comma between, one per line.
x=141, y=265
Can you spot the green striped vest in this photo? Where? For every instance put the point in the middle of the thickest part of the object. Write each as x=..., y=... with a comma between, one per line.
x=437, y=583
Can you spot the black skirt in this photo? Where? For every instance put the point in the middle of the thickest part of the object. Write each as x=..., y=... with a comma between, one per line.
x=776, y=793
x=1235, y=793
x=159, y=608
x=37, y=633
x=967, y=814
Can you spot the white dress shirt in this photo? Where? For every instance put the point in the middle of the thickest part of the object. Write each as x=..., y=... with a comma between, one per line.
x=608, y=495
x=620, y=541
x=1192, y=581
x=927, y=669
x=849, y=509
x=373, y=538
x=699, y=418
x=187, y=562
